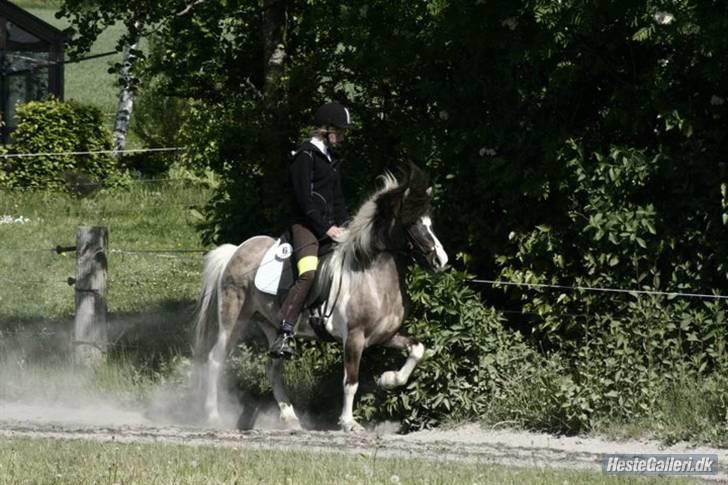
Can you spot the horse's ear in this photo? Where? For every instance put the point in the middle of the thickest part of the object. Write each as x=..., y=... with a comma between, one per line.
x=417, y=178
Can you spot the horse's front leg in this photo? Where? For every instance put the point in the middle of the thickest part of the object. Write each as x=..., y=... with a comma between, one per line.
x=416, y=350
x=353, y=348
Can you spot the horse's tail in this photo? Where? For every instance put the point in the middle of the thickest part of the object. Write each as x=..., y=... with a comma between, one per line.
x=208, y=309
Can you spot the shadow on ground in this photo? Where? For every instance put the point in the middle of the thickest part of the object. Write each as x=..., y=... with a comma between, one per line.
x=146, y=338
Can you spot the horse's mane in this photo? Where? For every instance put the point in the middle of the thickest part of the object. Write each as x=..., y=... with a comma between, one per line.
x=368, y=232
x=358, y=242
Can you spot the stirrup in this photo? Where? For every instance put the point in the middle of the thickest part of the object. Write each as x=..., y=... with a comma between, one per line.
x=284, y=346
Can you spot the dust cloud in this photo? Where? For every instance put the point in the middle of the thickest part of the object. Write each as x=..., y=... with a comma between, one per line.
x=40, y=384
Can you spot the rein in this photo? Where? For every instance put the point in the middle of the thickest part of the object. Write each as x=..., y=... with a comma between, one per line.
x=324, y=314
x=338, y=293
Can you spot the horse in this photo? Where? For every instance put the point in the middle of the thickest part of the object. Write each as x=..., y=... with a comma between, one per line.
x=364, y=279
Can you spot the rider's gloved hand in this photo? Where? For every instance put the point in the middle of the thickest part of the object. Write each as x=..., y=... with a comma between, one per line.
x=335, y=232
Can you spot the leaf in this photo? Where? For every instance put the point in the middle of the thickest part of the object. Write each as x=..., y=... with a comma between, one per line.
x=197, y=215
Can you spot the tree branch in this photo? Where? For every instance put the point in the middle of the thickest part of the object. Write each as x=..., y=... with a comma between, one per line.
x=189, y=7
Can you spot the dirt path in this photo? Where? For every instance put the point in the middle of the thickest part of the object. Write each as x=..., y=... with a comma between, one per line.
x=469, y=442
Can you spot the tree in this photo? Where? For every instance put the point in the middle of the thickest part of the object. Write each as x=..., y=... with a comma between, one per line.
x=491, y=96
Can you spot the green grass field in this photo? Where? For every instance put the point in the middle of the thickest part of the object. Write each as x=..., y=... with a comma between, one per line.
x=150, y=295
x=81, y=462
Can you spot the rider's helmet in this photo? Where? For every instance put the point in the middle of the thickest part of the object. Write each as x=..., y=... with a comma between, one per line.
x=333, y=114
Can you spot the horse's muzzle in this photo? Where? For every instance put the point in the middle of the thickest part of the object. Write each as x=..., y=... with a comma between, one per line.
x=437, y=260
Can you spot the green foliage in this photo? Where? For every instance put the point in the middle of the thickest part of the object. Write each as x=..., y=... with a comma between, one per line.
x=216, y=138
x=157, y=120
x=60, y=127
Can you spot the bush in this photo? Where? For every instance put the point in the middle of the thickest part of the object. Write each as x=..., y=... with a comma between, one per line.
x=57, y=126
x=470, y=356
x=623, y=350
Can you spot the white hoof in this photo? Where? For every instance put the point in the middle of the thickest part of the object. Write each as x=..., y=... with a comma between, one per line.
x=214, y=419
x=351, y=426
x=289, y=420
x=291, y=423
x=389, y=380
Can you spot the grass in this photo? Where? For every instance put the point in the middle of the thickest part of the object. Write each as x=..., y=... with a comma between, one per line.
x=150, y=296
x=38, y=3
x=146, y=216
x=79, y=462
x=694, y=410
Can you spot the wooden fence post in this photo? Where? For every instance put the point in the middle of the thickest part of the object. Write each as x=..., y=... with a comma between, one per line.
x=90, y=330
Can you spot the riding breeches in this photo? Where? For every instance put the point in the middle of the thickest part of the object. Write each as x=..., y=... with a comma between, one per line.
x=305, y=252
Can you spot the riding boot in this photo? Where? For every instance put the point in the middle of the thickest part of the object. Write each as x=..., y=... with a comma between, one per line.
x=284, y=345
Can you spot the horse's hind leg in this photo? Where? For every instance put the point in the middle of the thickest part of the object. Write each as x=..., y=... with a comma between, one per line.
x=215, y=363
x=416, y=350
x=231, y=310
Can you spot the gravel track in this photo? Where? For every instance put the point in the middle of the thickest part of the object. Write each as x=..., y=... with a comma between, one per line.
x=471, y=443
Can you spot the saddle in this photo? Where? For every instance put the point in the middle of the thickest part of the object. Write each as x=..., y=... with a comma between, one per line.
x=276, y=274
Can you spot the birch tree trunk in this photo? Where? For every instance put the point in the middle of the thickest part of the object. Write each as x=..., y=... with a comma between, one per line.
x=126, y=96
x=275, y=29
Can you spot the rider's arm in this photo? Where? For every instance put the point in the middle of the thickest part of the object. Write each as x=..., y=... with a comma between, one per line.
x=301, y=172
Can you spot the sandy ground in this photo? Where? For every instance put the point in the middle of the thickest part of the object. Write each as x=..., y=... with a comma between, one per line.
x=471, y=442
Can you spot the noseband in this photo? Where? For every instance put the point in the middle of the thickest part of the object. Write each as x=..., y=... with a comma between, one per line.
x=413, y=242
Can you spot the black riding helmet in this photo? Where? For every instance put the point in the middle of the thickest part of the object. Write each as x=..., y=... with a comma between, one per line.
x=332, y=114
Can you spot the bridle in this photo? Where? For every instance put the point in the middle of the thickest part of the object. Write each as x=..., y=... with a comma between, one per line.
x=413, y=242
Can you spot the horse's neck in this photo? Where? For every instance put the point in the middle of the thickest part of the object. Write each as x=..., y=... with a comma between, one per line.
x=383, y=270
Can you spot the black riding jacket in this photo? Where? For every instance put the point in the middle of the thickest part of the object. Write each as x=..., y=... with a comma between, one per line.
x=318, y=202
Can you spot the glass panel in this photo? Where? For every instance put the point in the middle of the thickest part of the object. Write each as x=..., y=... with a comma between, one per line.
x=27, y=78
x=21, y=36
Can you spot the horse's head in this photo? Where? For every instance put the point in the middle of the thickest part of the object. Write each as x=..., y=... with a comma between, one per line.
x=408, y=210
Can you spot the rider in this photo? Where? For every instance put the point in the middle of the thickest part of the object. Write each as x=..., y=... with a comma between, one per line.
x=319, y=212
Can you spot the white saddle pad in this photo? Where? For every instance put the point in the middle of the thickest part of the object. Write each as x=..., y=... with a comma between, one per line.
x=272, y=268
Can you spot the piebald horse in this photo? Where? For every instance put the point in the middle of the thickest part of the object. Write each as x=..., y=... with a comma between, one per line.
x=364, y=277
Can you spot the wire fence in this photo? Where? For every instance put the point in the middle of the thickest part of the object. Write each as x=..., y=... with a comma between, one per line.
x=93, y=152
x=26, y=283
x=198, y=252
x=633, y=292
